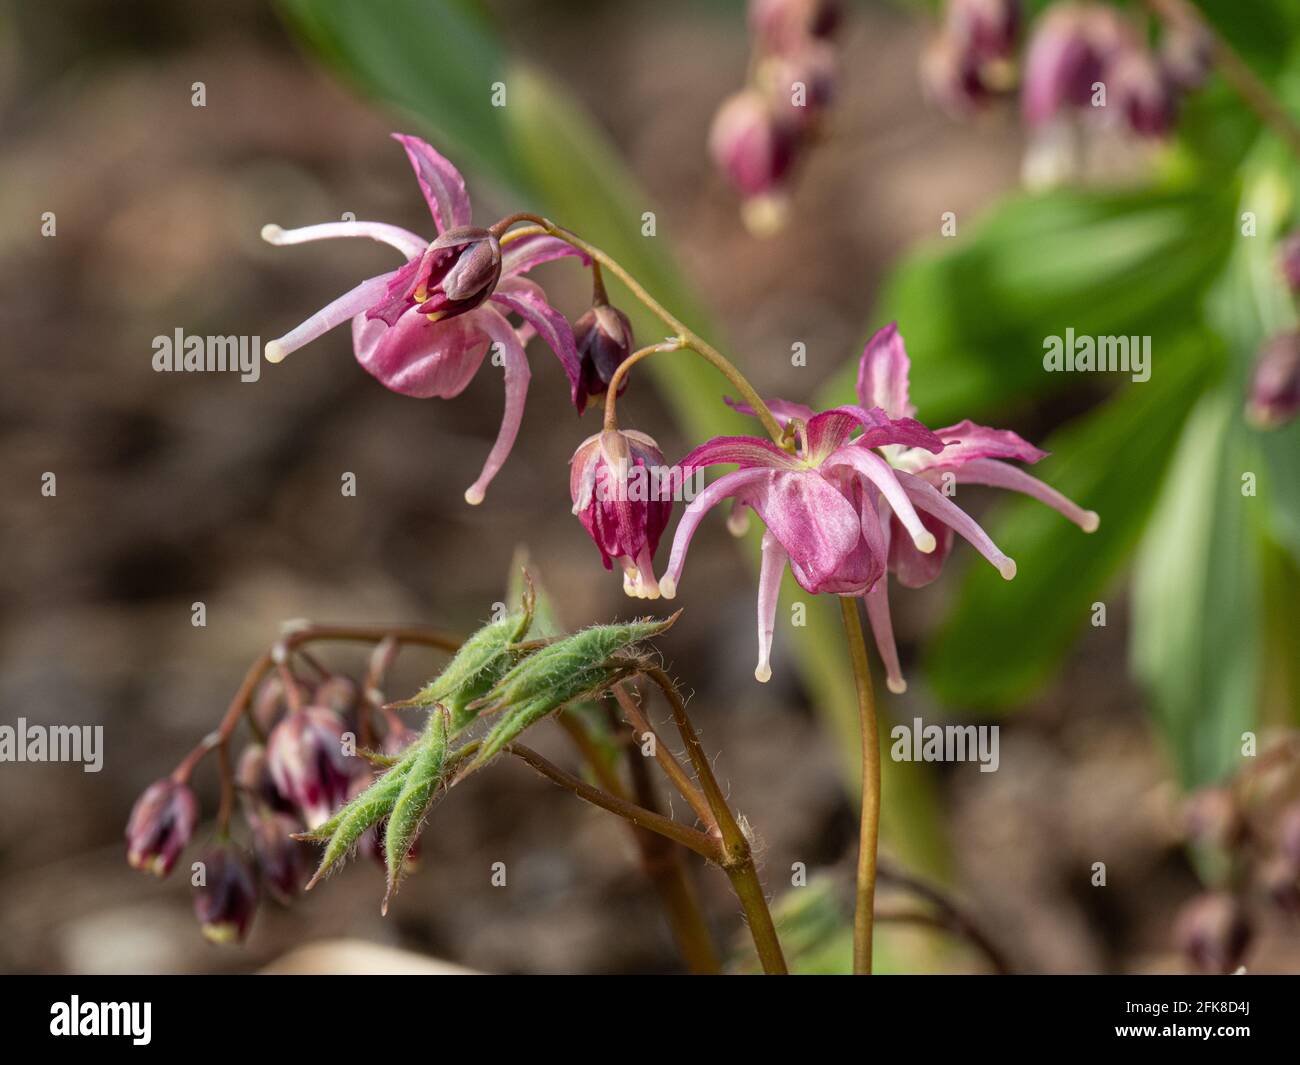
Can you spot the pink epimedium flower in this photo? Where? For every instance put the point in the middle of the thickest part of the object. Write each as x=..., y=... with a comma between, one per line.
x=882, y=505
x=424, y=329
x=622, y=492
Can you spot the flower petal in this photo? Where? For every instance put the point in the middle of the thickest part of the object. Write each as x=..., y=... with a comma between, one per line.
x=724, y=487
x=783, y=410
x=910, y=567
x=441, y=183
x=410, y=244
x=520, y=255
x=966, y=441
x=748, y=452
x=528, y=301
x=769, y=590
x=880, y=430
x=878, y=472
x=932, y=501
x=877, y=600
x=882, y=373
x=1000, y=475
x=517, y=375
x=346, y=306
x=815, y=523
x=418, y=357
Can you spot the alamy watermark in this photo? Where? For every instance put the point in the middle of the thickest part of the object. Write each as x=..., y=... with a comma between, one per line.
x=179, y=353
x=77, y=1018
x=53, y=743
x=622, y=482
x=1108, y=354
x=919, y=742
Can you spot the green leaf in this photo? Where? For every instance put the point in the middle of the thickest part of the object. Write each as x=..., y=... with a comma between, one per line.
x=975, y=310
x=423, y=776
x=1005, y=637
x=1195, y=597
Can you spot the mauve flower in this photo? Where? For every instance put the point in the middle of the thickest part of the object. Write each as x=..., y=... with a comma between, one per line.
x=843, y=509
x=283, y=862
x=226, y=900
x=754, y=149
x=1142, y=93
x=987, y=28
x=1212, y=930
x=161, y=824
x=781, y=25
x=1071, y=49
x=604, y=340
x=622, y=492
x=305, y=755
x=424, y=329
x=1274, y=394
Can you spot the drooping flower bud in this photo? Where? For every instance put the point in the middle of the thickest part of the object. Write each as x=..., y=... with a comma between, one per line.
x=161, y=824
x=1213, y=932
x=226, y=900
x=604, y=340
x=622, y=492
x=253, y=777
x=950, y=77
x=987, y=28
x=456, y=273
x=305, y=753
x=754, y=150
x=1274, y=395
x=1069, y=53
x=781, y=25
x=270, y=704
x=283, y=862
x=1141, y=93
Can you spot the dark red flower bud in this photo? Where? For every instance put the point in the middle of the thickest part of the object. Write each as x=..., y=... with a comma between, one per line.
x=622, y=492
x=1274, y=395
x=950, y=77
x=253, y=777
x=1140, y=90
x=456, y=273
x=284, y=863
x=751, y=147
x=986, y=28
x=161, y=824
x=226, y=900
x=270, y=703
x=604, y=339
x=1213, y=932
x=1071, y=49
x=307, y=762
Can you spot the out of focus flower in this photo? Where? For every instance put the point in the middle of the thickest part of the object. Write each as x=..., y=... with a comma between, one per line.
x=253, y=777
x=1213, y=817
x=283, y=862
x=781, y=25
x=226, y=900
x=305, y=753
x=1187, y=55
x=161, y=824
x=1274, y=395
x=754, y=149
x=622, y=492
x=1213, y=932
x=604, y=339
x=1141, y=92
x=1070, y=51
x=973, y=57
x=423, y=330
x=842, y=509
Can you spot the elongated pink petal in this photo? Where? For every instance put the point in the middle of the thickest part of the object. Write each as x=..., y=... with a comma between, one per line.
x=748, y=452
x=932, y=501
x=1000, y=475
x=880, y=430
x=783, y=410
x=877, y=600
x=517, y=376
x=769, y=590
x=723, y=488
x=815, y=523
x=441, y=183
x=529, y=302
x=882, y=373
x=351, y=303
x=410, y=244
x=877, y=471
x=418, y=357
x=967, y=441
x=523, y=253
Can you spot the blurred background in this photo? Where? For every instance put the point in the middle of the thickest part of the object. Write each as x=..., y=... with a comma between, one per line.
x=182, y=488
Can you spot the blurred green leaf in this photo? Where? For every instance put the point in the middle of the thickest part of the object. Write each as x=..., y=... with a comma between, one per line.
x=1004, y=638
x=1195, y=597
x=975, y=310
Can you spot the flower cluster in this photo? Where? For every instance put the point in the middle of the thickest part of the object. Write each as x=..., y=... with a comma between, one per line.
x=1088, y=70
x=760, y=132
x=1246, y=834
x=306, y=769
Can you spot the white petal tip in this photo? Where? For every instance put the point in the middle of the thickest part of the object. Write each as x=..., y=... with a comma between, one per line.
x=474, y=495
x=897, y=685
x=763, y=673
x=1007, y=567
x=274, y=351
x=925, y=542
x=271, y=233
x=668, y=588
x=738, y=526
x=1091, y=520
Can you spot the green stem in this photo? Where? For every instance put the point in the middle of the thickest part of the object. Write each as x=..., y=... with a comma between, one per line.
x=869, y=828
